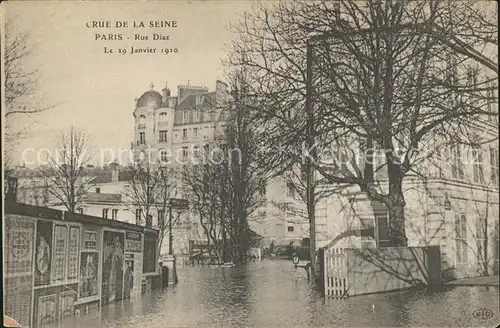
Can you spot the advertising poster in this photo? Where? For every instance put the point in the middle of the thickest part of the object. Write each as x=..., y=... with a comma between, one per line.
x=59, y=258
x=73, y=252
x=17, y=294
x=89, y=268
x=133, y=242
x=19, y=245
x=113, y=266
x=136, y=291
x=149, y=259
x=46, y=311
x=128, y=284
x=43, y=253
x=90, y=239
x=67, y=304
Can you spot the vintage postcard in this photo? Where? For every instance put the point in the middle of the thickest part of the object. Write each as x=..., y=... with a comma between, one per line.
x=272, y=163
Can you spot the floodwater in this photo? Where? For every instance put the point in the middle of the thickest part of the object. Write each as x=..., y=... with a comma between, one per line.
x=272, y=293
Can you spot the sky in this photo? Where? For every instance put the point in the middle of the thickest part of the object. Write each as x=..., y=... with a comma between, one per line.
x=96, y=91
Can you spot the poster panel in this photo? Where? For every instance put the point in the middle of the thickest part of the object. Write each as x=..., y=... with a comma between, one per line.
x=89, y=268
x=133, y=242
x=128, y=285
x=46, y=311
x=90, y=239
x=43, y=252
x=149, y=259
x=136, y=290
x=59, y=258
x=73, y=248
x=17, y=298
x=113, y=266
x=19, y=235
x=67, y=304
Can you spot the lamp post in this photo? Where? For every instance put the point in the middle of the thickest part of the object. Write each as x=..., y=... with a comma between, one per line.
x=170, y=234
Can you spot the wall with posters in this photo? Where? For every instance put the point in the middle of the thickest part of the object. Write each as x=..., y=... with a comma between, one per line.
x=134, y=245
x=59, y=264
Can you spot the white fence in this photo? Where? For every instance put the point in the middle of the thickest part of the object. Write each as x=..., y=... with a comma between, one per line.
x=335, y=275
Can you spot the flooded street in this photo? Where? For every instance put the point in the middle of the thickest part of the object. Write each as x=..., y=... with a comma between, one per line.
x=272, y=293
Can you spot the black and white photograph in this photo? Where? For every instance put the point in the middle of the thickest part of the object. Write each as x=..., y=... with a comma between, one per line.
x=252, y=163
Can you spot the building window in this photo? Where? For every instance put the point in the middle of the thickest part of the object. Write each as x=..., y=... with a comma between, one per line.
x=184, y=134
x=206, y=148
x=451, y=76
x=477, y=165
x=196, y=115
x=457, y=166
x=290, y=228
x=114, y=214
x=79, y=210
x=383, y=231
x=460, y=239
x=105, y=213
x=491, y=100
x=161, y=218
x=195, y=132
x=481, y=238
x=496, y=238
x=290, y=190
x=162, y=118
x=185, y=116
x=184, y=152
x=163, y=135
x=142, y=138
x=97, y=190
x=163, y=156
x=142, y=122
x=196, y=151
x=45, y=195
x=494, y=166
x=288, y=114
x=138, y=214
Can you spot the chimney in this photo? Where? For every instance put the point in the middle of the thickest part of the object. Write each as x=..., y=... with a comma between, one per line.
x=166, y=94
x=136, y=100
x=172, y=102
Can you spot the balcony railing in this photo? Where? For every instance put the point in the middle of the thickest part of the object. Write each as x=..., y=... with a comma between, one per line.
x=141, y=126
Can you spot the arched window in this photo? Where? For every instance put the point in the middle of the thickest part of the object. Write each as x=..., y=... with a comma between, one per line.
x=162, y=118
x=142, y=121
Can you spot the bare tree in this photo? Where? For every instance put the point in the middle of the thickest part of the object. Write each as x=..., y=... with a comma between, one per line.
x=20, y=83
x=65, y=176
x=379, y=80
x=225, y=186
x=148, y=195
x=205, y=184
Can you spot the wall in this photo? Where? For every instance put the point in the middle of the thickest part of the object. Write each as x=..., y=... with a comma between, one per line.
x=365, y=271
x=56, y=268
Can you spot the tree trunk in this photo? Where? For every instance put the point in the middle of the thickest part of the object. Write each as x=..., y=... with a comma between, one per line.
x=396, y=209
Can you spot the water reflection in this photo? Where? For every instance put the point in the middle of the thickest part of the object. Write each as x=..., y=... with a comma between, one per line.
x=273, y=294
